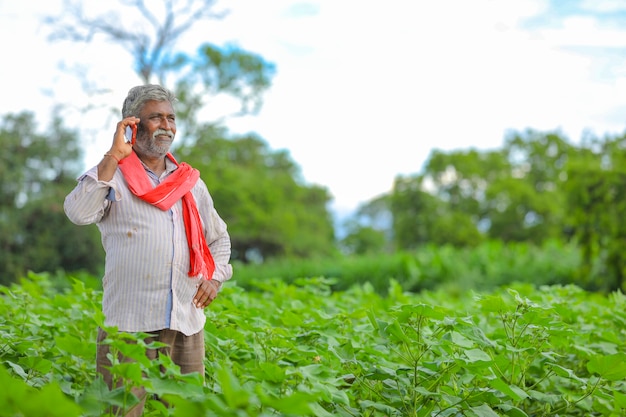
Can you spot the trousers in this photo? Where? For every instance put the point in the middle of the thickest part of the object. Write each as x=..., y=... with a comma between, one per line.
x=185, y=351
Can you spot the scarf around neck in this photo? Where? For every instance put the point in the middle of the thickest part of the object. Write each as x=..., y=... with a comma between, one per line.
x=175, y=187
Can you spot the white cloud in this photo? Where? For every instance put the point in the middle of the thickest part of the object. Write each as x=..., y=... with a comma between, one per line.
x=365, y=90
x=606, y=6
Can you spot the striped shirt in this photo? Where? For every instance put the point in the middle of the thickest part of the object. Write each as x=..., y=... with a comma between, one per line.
x=145, y=285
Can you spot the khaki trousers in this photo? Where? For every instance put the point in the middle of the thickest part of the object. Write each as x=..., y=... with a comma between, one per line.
x=185, y=351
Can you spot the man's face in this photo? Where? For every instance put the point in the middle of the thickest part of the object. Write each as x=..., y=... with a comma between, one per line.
x=155, y=132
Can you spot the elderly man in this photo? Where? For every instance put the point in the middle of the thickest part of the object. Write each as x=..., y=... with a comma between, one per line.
x=167, y=249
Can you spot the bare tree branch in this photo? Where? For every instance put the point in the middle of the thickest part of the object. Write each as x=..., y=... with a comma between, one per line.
x=148, y=49
x=150, y=31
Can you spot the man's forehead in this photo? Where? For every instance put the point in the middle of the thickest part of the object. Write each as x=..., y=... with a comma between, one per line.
x=157, y=107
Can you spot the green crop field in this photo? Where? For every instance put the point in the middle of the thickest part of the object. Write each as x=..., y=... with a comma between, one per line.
x=300, y=349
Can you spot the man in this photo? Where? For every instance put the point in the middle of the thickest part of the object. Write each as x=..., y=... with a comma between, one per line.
x=167, y=249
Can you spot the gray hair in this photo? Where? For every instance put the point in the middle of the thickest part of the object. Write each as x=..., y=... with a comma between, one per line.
x=138, y=96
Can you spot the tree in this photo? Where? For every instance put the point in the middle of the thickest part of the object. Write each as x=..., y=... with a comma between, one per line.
x=421, y=218
x=511, y=194
x=151, y=36
x=461, y=178
x=369, y=230
x=447, y=199
x=153, y=52
x=518, y=213
x=259, y=192
x=269, y=210
x=596, y=197
x=532, y=199
x=35, y=172
x=362, y=240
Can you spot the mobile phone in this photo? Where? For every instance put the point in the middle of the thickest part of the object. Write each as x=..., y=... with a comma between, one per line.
x=131, y=134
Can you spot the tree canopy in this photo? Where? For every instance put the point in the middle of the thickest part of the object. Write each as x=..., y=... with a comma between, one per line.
x=36, y=170
x=259, y=191
x=262, y=197
x=537, y=187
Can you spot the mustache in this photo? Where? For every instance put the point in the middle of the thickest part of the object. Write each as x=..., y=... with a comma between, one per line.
x=160, y=132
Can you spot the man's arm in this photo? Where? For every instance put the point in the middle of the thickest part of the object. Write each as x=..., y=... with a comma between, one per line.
x=87, y=203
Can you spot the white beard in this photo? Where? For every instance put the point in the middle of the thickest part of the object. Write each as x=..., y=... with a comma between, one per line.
x=153, y=147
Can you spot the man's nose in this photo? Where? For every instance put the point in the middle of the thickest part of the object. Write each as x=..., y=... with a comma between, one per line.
x=166, y=123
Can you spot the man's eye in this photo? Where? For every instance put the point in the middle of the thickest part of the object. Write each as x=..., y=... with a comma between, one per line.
x=169, y=118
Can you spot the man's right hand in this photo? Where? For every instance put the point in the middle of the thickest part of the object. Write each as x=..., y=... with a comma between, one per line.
x=120, y=148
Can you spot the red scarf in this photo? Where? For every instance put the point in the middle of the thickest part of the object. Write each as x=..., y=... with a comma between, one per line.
x=176, y=186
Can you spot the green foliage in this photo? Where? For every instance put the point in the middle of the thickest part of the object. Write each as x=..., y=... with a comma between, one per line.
x=363, y=240
x=483, y=267
x=597, y=203
x=153, y=36
x=34, y=163
x=36, y=171
x=214, y=71
x=301, y=350
x=269, y=211
x=243, y=75
x=537, y=188
x=528, y=204
x=420, y=218
x=512, y=194
x=460, y=177
x=517, y=211
x=20, y=399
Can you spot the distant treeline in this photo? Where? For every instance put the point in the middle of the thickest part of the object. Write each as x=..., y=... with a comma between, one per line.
x=538, y=189
x=485, y=267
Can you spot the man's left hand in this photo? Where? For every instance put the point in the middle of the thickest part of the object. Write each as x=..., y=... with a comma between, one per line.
x=207, y=291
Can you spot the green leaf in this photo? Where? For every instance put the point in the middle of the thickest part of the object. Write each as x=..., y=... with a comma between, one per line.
x=295, y=404
x=397, y=332
x=130, y=371
x=492, y=303
x=565, y=373
x=460, y=340
x=19, y=399
x=377, y=324
x=477, y=355
x=39, y=364
x=94, y=398
x=511, y=411
x=611, y=367
x=380, y=374
x=422, y=310
x=512, y=391
x=183, y=389
x=18, y=369
x=271, y=372
x=290, y=319
x=319, y=411
x=620, y=400
x=73, y=345
x=234, y=394
x=49, y=402
x=367, y=404
x=484, y=411
x=131, y=350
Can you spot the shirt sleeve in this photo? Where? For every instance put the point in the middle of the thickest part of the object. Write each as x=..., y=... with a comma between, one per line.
x=90, y=200
x=215, y=233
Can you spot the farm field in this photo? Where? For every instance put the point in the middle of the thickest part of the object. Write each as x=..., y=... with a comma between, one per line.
x=300, y=349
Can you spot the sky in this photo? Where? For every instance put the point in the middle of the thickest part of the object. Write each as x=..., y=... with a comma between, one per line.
x=364, y=90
